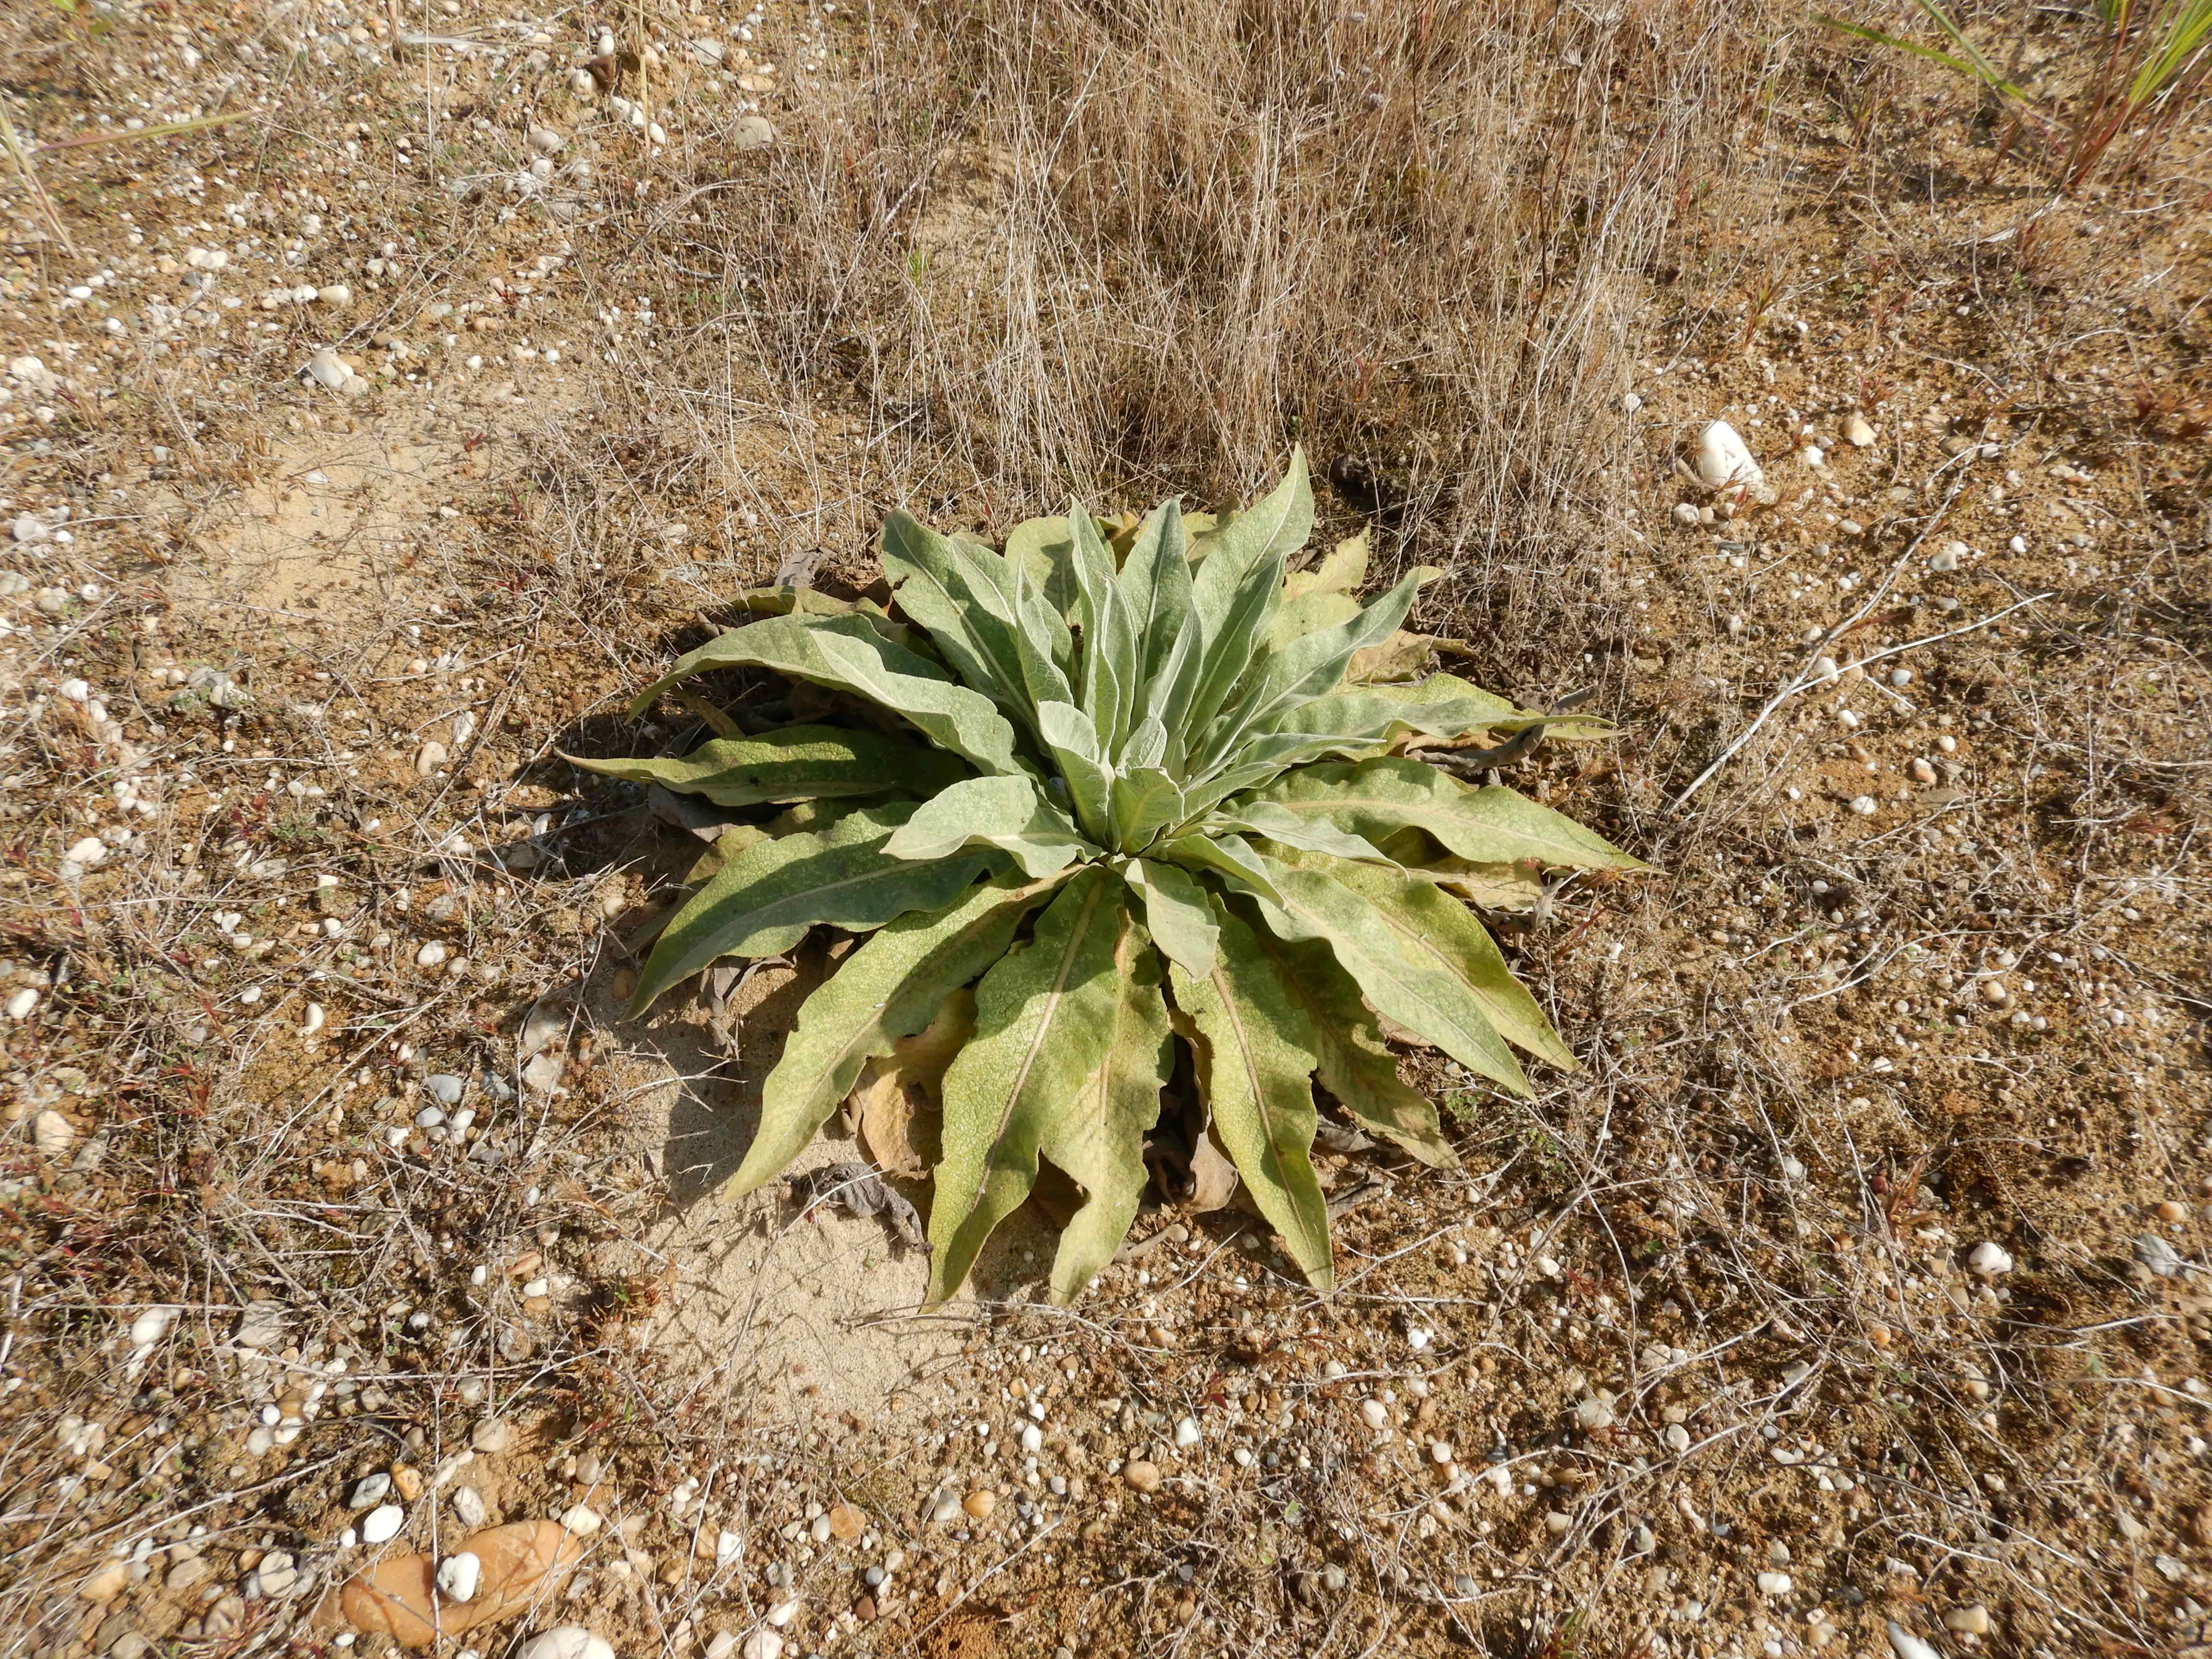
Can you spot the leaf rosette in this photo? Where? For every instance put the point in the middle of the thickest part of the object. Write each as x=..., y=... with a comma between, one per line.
x=1153, y=790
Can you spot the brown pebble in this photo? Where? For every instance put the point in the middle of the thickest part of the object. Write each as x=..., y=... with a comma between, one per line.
x=2170, y=1211
x=1142, y=1476
x=407, y=1481
x=399, y=1596
x=845, y=1521
x=981, y=1504
x=865, y=1609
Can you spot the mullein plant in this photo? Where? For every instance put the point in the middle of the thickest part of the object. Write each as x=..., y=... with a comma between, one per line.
x=1137, y=788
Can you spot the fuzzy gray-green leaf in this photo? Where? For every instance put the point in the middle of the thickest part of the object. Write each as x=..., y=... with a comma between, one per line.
x=1374, y=799
x=797, y=763
x=892, y=986
x=1044, y=1022
x=1100, y=1143
x=1177, y=912
x=1006, y=813
x=849, y=653
x=1256, y=1064
x=1419, y=996
x=762, y=902
x=1353, y=1062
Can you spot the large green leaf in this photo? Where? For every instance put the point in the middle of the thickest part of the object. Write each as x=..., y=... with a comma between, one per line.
x=1256, y=1062
x=849, y=654
x=1100, y=1143
x=1373, y=798
x=1044, y=1021
x=1006, y=813
x=1419, y=995
x=1143, y=800
x=1237, y=591
x=891, y=987
x=1353, y=1062
x=1309, y=613
x=1280, y=824
x=1435, y=929
x=1178, y=913
x=1312, y=666
x=1108, y=691
x=799, y=762
x=1075, y=751
x=1225, y=854
x=762, y=902
x=936, y=582
x=1156, y=587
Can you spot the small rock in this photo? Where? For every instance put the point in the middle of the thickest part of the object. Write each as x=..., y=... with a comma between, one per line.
x=1990, y=1258
x=52, y=1133
x=567, y=1642
x=845, y=1522
x=1630, y=403
x=544, y=141
x=29, y=527
x=1723, y=458
x=430, y=956
x=329, y=370
x=1948, y=557
x=1187, y=1433
x=1859, y=432
x=459, y=1575
x=337, y=295
x=1906, y=1646
x=753, y=132
x=382, y=1524
x=1971, y=1620
x=275, y=1574
x=186, y=1573
x=106, y=1582
x=469, y=1507
x=21, y=1003
x=1593, y=1414
x=429, y=758
x=979, y=1505
x=1774, y=1584
x=491, y=1437
x=1865, y=806
x=763, y=1644
x=262, y=1324
x=444, y=1088
x=1142, y=1476
x=2155, y=1253
x=369, y=1491
x=581, y=1519
x=1377, y=1414
x=84, y=854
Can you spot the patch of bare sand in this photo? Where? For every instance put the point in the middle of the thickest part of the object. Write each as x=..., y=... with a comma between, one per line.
x=326, y=522
x=824, y=1309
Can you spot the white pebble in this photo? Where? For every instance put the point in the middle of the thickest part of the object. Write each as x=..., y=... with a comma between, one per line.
x=1774, y=1584
x=567, y=1642
x=430, y=955
x=382, y=1522
x=1865, y=806
x=1722, y=457
x=459, y=1575
x=1989, y=1258
x=1906, y=1646
x=20, y=1005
